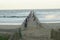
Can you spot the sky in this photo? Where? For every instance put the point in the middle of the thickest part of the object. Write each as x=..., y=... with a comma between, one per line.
x=29, y=4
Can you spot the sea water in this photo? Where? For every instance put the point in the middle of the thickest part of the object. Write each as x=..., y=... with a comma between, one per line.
x=13, y=16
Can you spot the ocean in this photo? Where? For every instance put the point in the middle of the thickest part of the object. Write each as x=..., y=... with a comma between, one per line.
x=18, y=16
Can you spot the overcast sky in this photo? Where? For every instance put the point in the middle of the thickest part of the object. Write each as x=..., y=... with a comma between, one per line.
x=29, y=4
